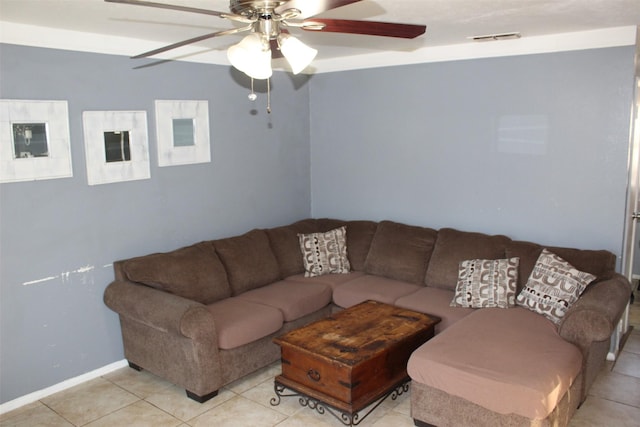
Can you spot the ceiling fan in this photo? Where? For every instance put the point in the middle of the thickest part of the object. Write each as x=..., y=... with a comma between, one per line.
x=268, y=20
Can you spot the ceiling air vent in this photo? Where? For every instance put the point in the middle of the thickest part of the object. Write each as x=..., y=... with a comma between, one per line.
x=493, y=37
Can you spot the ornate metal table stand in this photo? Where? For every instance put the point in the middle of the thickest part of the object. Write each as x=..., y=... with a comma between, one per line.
x=347, y=417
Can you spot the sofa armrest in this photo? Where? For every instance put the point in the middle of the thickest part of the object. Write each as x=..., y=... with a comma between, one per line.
x=160, y=310
x=597, y=312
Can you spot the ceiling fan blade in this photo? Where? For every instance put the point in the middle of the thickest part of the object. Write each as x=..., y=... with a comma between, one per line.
x=372, y=28
x=172, y=7
x=313, y=8
x=189, y=41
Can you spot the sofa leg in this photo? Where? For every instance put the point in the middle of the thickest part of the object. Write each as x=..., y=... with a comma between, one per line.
x=134, y=366
x=419, y=423
x=203, y=398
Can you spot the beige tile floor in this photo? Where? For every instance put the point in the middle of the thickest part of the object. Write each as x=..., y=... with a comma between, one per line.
x=130, y=398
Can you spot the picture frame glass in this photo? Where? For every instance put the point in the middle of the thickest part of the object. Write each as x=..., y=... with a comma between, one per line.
x=184, y=132
x=30, y=140
x=117, y=146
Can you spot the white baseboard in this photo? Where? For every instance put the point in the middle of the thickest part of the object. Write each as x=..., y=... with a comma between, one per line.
x=37, y=395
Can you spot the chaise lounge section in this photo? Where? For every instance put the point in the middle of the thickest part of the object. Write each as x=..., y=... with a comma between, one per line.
x=205, y=315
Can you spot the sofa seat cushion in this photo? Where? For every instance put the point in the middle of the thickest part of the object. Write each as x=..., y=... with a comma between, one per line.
x=239, y=322
x=510, y=361
x=333, y=280
x=293, y=299
x=435, y=301
x=368, y=287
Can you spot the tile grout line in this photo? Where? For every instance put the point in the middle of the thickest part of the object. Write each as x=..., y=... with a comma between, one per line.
x=57, y=413
x=613, y=401
x=140, y=399
x=116, y=410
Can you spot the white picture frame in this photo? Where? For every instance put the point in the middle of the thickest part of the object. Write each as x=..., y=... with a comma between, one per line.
x=182, y=129
x=130, y=161
x=34, y=140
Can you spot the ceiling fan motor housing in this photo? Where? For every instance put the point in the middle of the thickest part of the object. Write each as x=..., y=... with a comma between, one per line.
x=267, y=20
x=255, y=7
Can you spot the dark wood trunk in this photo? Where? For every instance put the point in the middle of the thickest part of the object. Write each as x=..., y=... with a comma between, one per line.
x=352, y=358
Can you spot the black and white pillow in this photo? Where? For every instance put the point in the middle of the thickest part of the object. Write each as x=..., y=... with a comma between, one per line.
x=486, y=283
x=325, y=253
x=553, y=286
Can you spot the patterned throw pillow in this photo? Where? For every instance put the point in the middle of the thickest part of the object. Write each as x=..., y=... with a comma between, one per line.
x=553, y=286
x=324, y=253
x=486, y=283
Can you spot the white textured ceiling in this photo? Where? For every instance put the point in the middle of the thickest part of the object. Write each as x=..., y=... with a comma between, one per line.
x=449, y=22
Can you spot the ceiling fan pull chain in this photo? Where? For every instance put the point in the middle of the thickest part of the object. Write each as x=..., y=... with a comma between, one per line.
x=252, y=95
x=269, y=96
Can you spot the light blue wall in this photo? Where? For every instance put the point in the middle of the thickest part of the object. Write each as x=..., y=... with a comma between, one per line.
x=419, y=144
x=63, y=229
x=534, y=147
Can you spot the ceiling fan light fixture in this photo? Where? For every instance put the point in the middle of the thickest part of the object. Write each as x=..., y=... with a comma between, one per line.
x=251, y=56
x=297, y=54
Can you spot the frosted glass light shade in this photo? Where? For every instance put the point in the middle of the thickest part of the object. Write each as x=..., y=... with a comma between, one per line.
x=250, y=57
x=297, y=54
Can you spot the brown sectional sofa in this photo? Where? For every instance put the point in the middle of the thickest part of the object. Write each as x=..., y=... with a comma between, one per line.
x=205, y=315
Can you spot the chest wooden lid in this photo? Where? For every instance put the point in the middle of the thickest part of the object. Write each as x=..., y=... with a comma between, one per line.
x=358, y=332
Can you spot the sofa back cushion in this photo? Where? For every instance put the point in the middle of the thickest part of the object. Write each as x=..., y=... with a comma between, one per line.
x=326, y=224
x=194, y=272
x=453, y=247
x=600, y=263
x=359, y=237
x=286, y=246
x=249, y=261
x=400, y=251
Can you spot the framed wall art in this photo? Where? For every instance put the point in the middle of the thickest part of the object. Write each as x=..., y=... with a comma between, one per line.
x=34, y=140
x=116, y=146
x=183, y=132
